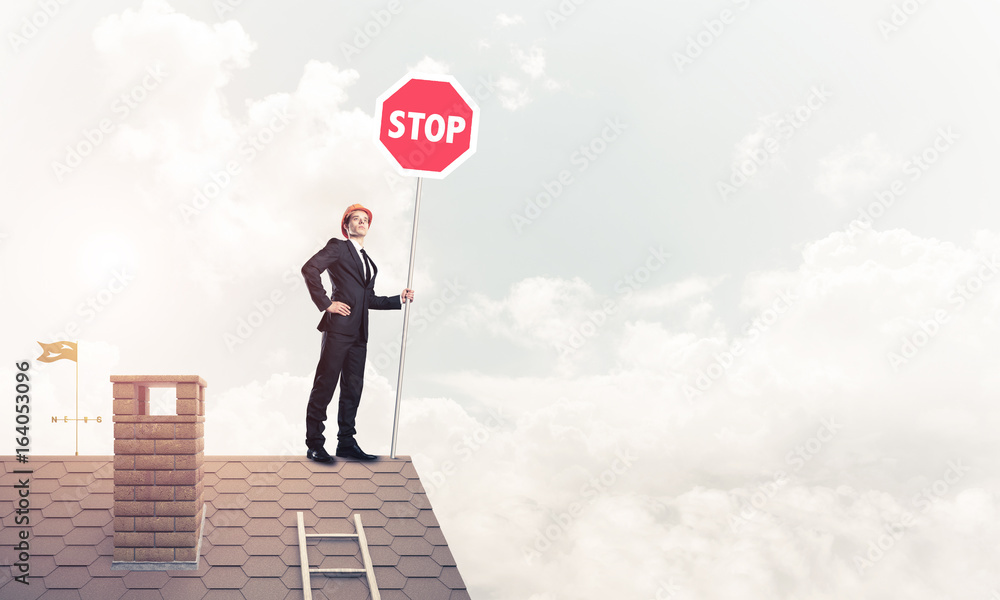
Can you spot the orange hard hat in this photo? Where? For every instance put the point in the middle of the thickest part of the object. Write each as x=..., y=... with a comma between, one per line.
x=347, y=213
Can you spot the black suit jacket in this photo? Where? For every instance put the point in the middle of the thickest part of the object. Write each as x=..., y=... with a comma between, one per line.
x=342, y=263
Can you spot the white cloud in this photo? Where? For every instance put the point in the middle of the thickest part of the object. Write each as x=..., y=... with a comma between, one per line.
x=538, y=311
x=531, y=61
x=430, y=66
x=812, y=404
x=850, y=174
x=513, y=94
x=504, y=20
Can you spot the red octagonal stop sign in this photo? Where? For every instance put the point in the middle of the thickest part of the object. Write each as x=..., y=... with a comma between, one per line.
x=427, y=125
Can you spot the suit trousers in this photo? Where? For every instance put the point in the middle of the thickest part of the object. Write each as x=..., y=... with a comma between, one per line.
x=341, y=357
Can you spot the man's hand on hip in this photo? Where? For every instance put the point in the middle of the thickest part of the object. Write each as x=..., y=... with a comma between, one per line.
x=339, y=308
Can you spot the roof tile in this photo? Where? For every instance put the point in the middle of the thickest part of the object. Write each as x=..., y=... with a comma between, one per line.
x=389, y=578
x=329, y=494
x=411, y=546
x=355, y=470
x=147, y=580
x=451, y=578
x=426, y=517
x=415, y=486
x=233, y=470
x=98, y=517
x=71, y=577
x=76, y=479
x=225, y=577
x=294, y=470
x=264, y=566
x=103, y=588
x=85, y=536
x=142, y=595
x=264, y=479
x=228, y=536
x=388, y=465
x=359, y=486
x=55, y=526
x=226, y=556
x=60, y=594
x=263, y=493
x=356, y=501
x=296, y=502
x=383, y=556
x=327, y=478
x=187, y=588
x=388, y=479
x=76, y=556
x=230, y=501
x=406, y=527
x=425, y=588
x=393, y=493
x=250, y=544
x=399, y=510
x=232, y=486
x=264, y=527
x=264, y=546
x=340, y=587
x=227, y=517
x=434, y=536
x=296, y=486
x=442, y=556
x=264, y=588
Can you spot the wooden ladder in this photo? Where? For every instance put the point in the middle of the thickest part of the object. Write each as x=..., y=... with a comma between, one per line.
x=366, y=558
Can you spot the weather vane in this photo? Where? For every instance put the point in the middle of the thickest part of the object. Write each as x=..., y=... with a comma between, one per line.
x=67, y=350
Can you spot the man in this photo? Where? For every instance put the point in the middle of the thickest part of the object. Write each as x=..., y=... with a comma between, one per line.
x=345, y=331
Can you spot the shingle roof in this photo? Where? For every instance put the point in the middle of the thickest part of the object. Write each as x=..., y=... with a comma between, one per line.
x=249, y=547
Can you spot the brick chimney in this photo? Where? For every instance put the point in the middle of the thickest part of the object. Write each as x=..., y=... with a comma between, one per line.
x=159, y=472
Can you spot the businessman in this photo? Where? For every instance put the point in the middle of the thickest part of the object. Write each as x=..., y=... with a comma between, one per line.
x=345, y=331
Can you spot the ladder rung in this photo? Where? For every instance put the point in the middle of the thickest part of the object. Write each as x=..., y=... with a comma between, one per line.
x=368, y=571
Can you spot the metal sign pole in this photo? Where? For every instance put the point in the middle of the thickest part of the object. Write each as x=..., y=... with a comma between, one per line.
x=406, y=320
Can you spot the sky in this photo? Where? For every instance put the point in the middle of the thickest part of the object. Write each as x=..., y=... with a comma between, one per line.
x=710, y=313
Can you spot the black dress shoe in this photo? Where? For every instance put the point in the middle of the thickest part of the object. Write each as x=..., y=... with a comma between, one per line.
x=352, y=450
x=319, y=455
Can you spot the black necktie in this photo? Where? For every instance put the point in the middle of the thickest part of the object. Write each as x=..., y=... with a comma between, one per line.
x=368, y=269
